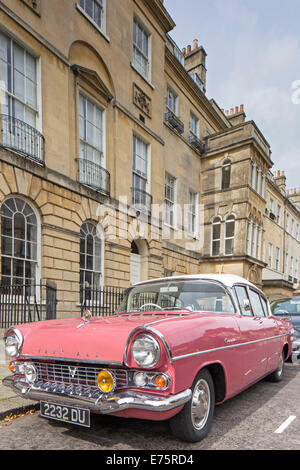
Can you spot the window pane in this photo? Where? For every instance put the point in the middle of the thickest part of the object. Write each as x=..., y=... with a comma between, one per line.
x=216, y=231
x=19, y=58
x=30, y=67
x=216, y=248
x=6, y=226
x=19, y=226
x=19, y=85
x=242, y=297
x=6, y=266
x=256, y=304
x=229, y=247
x=6, y=245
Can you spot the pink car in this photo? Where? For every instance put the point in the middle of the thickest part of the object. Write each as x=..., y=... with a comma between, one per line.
x=176, y=347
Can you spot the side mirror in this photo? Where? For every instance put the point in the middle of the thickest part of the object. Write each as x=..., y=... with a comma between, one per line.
x=247, y=306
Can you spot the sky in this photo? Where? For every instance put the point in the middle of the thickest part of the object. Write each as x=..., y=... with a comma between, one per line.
x=253, y=58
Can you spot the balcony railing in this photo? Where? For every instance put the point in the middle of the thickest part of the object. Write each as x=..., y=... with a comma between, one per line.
x=197, y=143
x=94, y=176
x=22, y=138
x=174, y=121
x=141, y=200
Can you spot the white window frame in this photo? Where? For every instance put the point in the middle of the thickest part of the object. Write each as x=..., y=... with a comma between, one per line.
x=194, y=120
x=96, y=232
x=270, y=257
x=38, y=109
x=277, y=267
x=146, y=177
x=278, y=214
x=249, y=236
x=230, y=219
x=102, y=150
x=102, y=28
x=38, y=235
x=148, y=58
x=193, y=217
x=172, y=204
x=171, y=91
x=216, y=221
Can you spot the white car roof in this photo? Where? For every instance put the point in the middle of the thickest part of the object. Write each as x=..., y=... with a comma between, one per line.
x=227, y=280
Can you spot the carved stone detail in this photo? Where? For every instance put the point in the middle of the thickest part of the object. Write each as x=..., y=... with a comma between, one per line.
x=142, y=101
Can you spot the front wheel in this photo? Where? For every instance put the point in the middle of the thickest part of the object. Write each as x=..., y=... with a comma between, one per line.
x=193, y=422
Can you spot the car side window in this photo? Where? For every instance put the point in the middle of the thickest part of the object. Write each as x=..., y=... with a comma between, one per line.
x=256, y=304
x=243, y=300
x=265, y=306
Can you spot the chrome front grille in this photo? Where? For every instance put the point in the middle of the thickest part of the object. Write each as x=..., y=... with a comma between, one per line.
x=74, y=379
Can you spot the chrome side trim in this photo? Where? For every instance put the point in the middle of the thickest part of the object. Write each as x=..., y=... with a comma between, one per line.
x=111, y=403
x=222, y=348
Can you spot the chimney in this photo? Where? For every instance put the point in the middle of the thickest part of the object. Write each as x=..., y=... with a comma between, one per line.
x=294, y=196
x=195, y=63
x=237, y=115
x=280, y=180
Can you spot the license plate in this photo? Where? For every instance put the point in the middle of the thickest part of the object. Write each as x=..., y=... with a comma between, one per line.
x=67, y=414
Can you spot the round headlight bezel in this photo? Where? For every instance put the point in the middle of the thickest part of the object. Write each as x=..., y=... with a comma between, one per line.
x=13, y=335
x=137, y=348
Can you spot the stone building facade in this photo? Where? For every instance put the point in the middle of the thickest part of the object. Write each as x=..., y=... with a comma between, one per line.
x=114, y=165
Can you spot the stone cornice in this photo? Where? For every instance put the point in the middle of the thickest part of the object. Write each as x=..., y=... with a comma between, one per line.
x=161, y=14
x=192, y=88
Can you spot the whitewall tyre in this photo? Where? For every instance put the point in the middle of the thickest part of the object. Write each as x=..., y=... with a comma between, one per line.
x=194, y=421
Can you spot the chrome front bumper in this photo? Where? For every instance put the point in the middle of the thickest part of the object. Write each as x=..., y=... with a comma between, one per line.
x=105, y=404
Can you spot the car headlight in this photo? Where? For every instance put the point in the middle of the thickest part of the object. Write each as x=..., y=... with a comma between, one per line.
x=13, y=343
x=145, y=351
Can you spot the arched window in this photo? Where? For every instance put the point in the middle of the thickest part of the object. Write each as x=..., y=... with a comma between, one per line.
x=226, y=174
x=91, y=256
x=229, y=235
x=216, y=236
x=19, y=242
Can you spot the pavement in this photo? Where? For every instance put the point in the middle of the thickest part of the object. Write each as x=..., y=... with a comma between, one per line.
x=10, y=403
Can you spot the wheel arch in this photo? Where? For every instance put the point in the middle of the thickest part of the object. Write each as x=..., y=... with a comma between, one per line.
x=218, y=375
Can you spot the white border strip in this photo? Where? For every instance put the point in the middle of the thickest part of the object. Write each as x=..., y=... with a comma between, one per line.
x=285, y=425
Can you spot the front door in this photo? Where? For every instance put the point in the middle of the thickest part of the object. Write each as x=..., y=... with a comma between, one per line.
x=253, y=349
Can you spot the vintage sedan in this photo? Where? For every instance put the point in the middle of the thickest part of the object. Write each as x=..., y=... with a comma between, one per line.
x=176, y=347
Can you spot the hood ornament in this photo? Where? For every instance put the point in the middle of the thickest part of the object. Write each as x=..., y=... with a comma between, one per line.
x=86, y=317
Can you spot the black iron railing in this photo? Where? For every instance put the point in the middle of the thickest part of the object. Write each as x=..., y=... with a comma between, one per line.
x=196, y=143
x=20, y=137
x=174, y=121
x=102, y=301
x=94, y=176
x=141, y=200
x=27, y=303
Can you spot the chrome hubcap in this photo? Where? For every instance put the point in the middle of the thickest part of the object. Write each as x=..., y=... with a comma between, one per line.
x=200, y=404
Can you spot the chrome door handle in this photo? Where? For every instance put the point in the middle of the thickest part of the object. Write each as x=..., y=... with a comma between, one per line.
x=230, y=340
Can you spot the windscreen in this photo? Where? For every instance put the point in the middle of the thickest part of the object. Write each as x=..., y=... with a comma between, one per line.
x=178, y=295
x=286, y=306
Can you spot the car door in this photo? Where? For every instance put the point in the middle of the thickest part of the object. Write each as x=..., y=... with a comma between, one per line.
x=252, y=348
